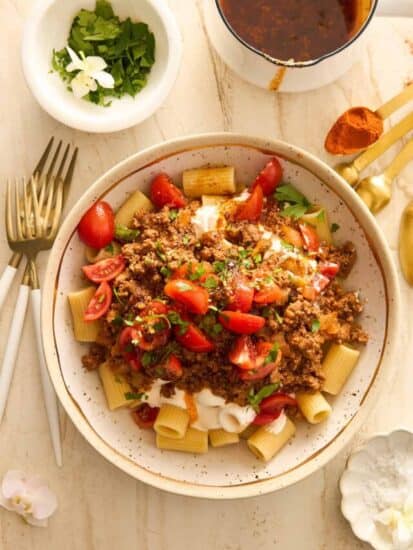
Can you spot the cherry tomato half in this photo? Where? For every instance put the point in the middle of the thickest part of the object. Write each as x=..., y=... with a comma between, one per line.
x=164, y=192
x=243, y=353
x=271, y=294
x=241, y=323
x=271, y=408
x=329, y=269
x=100, y=303
x=97, y=227
x=269, y=177
x=173, y=366
x=194, y=339
x=194, y=271
x=310, y=237
x=105, y=270
x=292, y=236
x=261, y=368
x=193, y=297
x=320, y=282
x=242, y=295
x=251, y=209
x=145, y=415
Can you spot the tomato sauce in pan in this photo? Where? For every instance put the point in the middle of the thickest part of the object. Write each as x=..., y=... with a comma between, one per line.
x=292, y=29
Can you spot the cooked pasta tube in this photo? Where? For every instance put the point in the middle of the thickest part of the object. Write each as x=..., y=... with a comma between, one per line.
x=195, y=441
x=171, y=422
x=137, y=202
x=212, y=200
x=209, y=181
x=337, y=366
x=249, y=430
x=314, y=407
x=221, y=438
x=79, y=300
x=265, y=444
x=318, y=218
x=93, y=255
x=116, y=388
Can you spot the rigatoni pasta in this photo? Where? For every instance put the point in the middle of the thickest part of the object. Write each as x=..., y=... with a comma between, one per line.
x=194, y=441
x=171, y=422
x=209, y=181
x=337, y=365
x=117, y=388
x=93, y=256
x=318, y=218
x=265, y=444
x=221, y=438
x=79, y=300
x=314, y=407
x=137, y=202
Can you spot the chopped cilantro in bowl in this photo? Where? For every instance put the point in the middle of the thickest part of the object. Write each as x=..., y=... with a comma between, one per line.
x=106, y=57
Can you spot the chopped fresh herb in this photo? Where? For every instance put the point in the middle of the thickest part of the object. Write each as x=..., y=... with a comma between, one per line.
x=321, y=215
x=209, y=324
x=175, y=319
x=159, y=326
x=173, y=214
x=109, y=248
x=272, y=355
x=165, y=271
x=255, y=399
x=217, y=329
x=129, y=395
x=148, y=358
x=186, y=239
x=219, y=267
x=268, y=280
x=116, y=294
x=160, y=251
x=127, y=48
x=278, y=317
x=117, y=321
x=243, y=253
x=247, y=264
x=315, y=325
x=334, y=227
x=257, y=258
x=210, y=283
x=295, y=204
x=125, y=234
x=197, y=273
x=286, y=245
x=267, y=312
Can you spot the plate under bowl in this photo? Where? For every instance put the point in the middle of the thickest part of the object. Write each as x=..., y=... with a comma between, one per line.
x=231, y=472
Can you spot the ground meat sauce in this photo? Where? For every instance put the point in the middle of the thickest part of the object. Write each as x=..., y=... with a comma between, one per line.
x=293, y=29
x=302, y=326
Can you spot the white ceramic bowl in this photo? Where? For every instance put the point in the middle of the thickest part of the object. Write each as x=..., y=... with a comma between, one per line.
x=47, y=28
x=232, y=472
x=358, y=504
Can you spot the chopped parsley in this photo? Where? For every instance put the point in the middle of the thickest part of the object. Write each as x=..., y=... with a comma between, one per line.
x=176, y=320
x=116, y=294
x=148, y=358
x=173, y=214
x=117, y=321
x=209, y=324
x=315, y=325
x=128, y=49
x=334, y=227
x=255, y=399
x=186, y=239
x=160, y=251
x=286, y=245
x=158, y=356
x=165, y=271
x=295, y=204
x=130, y=395
x=210, y=283
x=109, y=248
x=272, y=355
x=279, y=318
x=196, y=273
x=219, y=267
x=125, y=234
x=257, y=258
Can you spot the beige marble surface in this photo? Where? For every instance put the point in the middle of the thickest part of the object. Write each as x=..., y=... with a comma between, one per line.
x=100, y=507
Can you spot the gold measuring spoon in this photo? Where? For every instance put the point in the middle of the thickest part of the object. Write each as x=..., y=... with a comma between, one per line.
x=376, y=190
x=406, y=243
x=350, y=171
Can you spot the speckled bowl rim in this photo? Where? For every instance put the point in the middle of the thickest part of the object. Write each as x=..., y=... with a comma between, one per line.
x=357, y=450
x=376, y=241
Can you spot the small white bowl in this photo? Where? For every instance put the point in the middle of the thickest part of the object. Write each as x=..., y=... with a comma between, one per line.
x=365, y=470
x=47, y=28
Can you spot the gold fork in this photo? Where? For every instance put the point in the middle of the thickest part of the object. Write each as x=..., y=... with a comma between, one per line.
x=37, y=211
x=45, y=166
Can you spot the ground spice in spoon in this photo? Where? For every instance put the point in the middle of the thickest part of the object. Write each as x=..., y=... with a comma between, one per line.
x=355, y=130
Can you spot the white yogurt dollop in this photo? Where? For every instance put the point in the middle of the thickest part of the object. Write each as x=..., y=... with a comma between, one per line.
x=205, y=219
x=277, y=425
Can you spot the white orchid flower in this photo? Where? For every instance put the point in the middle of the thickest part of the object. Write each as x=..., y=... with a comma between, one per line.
x=30, y=497
x=400, y=524
x=91, y=72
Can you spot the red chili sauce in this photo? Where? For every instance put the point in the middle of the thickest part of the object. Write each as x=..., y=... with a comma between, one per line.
x=292, y=29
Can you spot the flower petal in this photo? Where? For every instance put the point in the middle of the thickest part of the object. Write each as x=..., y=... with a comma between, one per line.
x=14, y=482
x=77, y=64
x=6, y=503
x=82, y=84
x=44, y=503
x=94, y=64
x=105, y=79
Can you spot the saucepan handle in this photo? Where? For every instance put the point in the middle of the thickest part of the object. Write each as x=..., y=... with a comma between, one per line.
x=395, y=8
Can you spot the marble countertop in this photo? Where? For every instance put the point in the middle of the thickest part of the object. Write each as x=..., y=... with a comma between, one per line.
x=99, y=506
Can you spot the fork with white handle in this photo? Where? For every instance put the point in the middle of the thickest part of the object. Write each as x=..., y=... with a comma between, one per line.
x=37, y=211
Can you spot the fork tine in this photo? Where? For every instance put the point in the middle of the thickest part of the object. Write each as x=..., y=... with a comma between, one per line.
x=40, y=165
x=54, y=159
x=9, y=218
x=19, y=228
x=62, y=162
x=67, y=180
x=41, y=192
x=34, y=185
x=57, y=208
x=50, y=197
